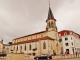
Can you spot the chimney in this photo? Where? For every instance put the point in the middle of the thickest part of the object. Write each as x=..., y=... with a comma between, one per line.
x=2, y=40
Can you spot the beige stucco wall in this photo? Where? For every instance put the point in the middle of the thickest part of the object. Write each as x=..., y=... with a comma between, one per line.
x=50, y=46
x=15, y=56
x=6, y=48
x=1, y=47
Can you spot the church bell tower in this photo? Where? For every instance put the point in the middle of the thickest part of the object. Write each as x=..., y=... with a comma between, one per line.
x=51, y=22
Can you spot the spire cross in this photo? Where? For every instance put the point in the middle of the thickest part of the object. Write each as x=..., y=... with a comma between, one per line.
x=49, y=3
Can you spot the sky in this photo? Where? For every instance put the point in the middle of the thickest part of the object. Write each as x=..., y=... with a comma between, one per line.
x=23, y=17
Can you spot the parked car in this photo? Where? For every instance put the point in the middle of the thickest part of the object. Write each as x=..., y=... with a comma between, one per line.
x=43, y=56
x=2, y=54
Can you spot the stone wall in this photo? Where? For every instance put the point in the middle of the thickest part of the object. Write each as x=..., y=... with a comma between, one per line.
x=15, y=56
x=64, y=56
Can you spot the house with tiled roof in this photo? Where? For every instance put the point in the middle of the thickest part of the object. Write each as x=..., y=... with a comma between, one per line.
x=70, y=41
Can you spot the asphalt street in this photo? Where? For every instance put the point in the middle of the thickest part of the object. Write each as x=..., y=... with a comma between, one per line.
x=45, y=59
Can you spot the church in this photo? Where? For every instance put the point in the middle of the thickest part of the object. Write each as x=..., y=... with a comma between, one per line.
x=44, y=42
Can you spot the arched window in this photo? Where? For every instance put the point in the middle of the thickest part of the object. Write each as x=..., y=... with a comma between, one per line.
x=27, y=38
x=36, y=45
x=49, y=25
x=25, y=47
x=51, y=47
x=30, y=47
x=31, y=37
x=36, y=36
x=44, y=45
x=52, y=24
x=14, y=48
x=41, y=35
x=21, y=47
x=17, y=47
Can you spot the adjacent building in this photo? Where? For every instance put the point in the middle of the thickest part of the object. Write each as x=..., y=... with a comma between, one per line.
x=70, y=41
x=1, y=46
x=6, y=48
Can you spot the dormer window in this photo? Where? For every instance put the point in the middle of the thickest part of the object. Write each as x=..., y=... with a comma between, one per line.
x=70, y=32
x=65, y=33
x=60, y=34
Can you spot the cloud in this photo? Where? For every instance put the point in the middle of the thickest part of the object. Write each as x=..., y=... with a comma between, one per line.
x=22, y=17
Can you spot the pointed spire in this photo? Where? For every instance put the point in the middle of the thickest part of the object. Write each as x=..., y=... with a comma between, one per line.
x=50, y=14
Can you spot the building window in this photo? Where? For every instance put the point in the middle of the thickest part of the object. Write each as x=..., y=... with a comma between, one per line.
x=60, y=40
x=30, y=47
x=36, y=45
x=27, y=38
x=70, y=32
x=21, y=47
x=66, y=38
x=72, y=43
x=31, y=37
x=66, y=44
x=20, y=40
x=51, y=47
x=3, y=47
x=71, y=38
x=49, y=25
x=25, y=47
x=41, y=35
x=65, y=33
x=44, y=45
x=14, y=48
x=60, y=34
x=17, y=47
x=36, y=36
x=52, y=24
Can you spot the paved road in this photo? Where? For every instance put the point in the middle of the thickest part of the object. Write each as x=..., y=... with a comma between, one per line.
x=51, y=59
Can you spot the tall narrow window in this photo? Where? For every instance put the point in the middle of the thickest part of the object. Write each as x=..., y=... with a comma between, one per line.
x=52, y=24
x=36, y=36
x=51, y=47
x=72, y=43
x=36, y=45
x=21, y=47
x=27, y=38
x=25, y=47
x=17, y=47
x=41, y=35
x=31, y=37
x=14, y=48
x=23, y=39
x=71, y=38
x=30, y=47
x=44, y=45
x=49, y=25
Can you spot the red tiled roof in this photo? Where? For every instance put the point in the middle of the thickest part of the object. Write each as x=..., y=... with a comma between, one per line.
x=62, y=32
x=30, y=35
x=33, y=40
